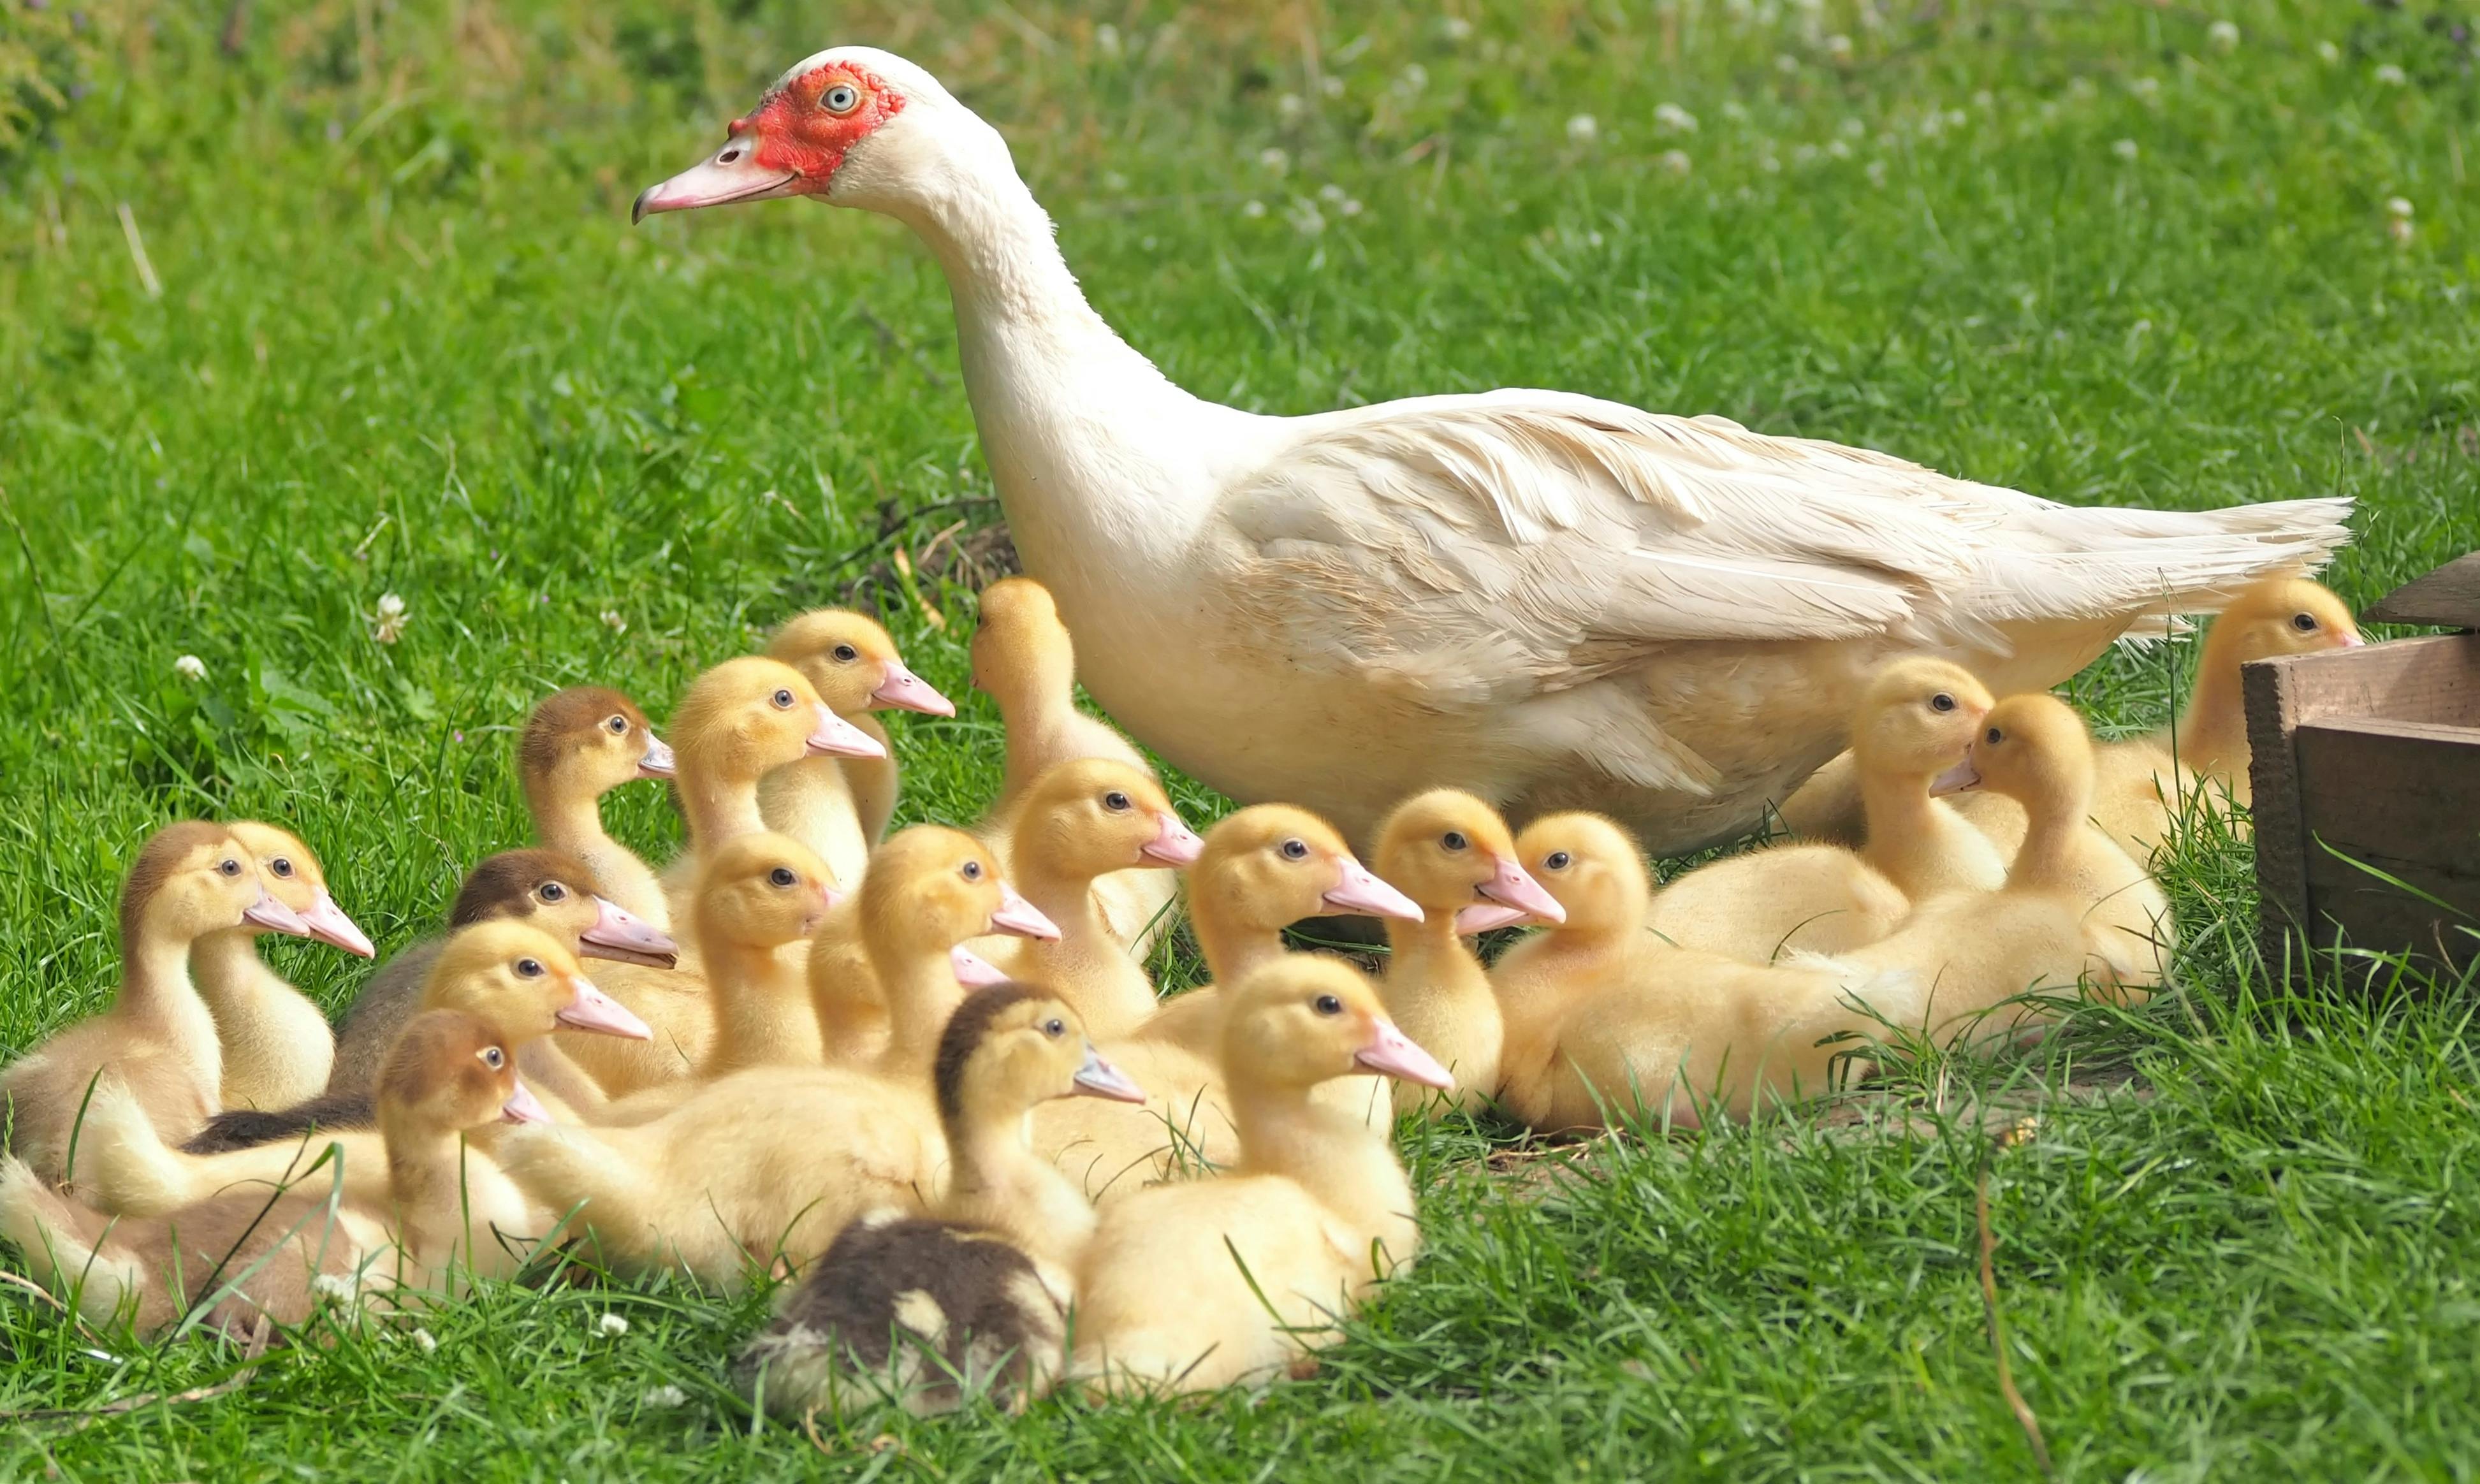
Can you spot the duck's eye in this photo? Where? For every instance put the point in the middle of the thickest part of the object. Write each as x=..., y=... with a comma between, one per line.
x=782, y=699
x=1116, y=801
x=846, y=653
x=494, y=1058
x=282, y=868
x=1054, y=1028
x=530, y=968
x=1295, y=849
x=1557, y=860
x=1941, y=702
x=1329, y=1005
x=228, y=867
x=781, y=876
x=840, y=99
x=1453, y=839
x=552, y=891
x=2305, y=622
x=617, y=726
x=972, y=870
x=1994, y=736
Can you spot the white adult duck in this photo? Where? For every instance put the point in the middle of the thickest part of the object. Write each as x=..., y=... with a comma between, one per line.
x=1540, y=597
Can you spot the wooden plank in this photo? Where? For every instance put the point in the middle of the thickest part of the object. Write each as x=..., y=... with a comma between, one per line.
x=2268, y=693
x=2403, y=799
x=2449, y=596
x=2435, y=680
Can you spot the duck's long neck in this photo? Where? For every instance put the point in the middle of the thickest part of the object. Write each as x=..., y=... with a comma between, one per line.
x=567, y=818
x=719, y=806
x=2212, y=735
x=1331, y=1155
x=1232, y=944
x=922, y=992
x=2053, y=818
x=763, y=1014
x=230, y=974
x=995, y=1180
x=1555, y=961
x=1429, y=959
x=1901, y=816
x=426, y=1185
x=1087, y=965
x=157, y=993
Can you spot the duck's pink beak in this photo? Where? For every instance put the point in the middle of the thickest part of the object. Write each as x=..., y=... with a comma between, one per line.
x=1361, y=891
x=522, y=1107
x=2351, y=639
x=1955, y=779
x=972, y=970
x=906, y=691
x=1510, y=887
x=592, y=1010
x=1098, y=1078
x=275, y=916
x=1486, y=916
x=1391, y=1053
x=659, y=761
x=733, y=176
x=328, y=923
x=1174, y=844
x=836, y=737
x=1022, y=917
x=624, y=937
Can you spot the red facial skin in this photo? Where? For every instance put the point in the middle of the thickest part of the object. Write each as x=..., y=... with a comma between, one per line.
x=794, y=133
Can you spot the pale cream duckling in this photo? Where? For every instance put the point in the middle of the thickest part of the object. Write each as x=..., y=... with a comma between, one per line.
x=1079, y=821
x=840, y=806
x=157, y=1037
x=1451, y=854
x=767, y=1164
x=442, y=1211
x=1024, y=660
x=276, y=1047
x=512, y=977
x=579, y=745
x=1195, y=1285
x=2143, y=786
x=985, y=1282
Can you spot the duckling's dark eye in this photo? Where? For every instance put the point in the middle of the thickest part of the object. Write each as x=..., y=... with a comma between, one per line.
x=228, y=867
x=782, y=699
x=781, y=876
x=2305, y=622
x=1295, y=849
x=1054, y=1028
x=282, y=868
x=1116, y=801
x=1329, y=1005
x=1557, y=860
x=530, y=968
x=552, y=891
x=840, y=99
x=846, y=653
x=494, y=1058
x=972, y=870
x=1994, y=736
x=1941, y=702
x=1453, y=839
x=617, y=726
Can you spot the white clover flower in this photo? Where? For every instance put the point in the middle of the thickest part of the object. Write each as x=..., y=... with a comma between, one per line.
x=2145, y=87
x=391, y=619
x=610, y=1324
x=1348, y=206
x=1583, y=129
x=612, y=620
x=2328, y=53
x=1252, y=209
x=2125, y=149
x=1330, y=194
x=1410, y=82
x=189, y=667
x=1273, y=159
x=336, y=1286
x=1289, y=105
x=1984, y=100
x=1876, y=172
x=1852, y=128
x=2223, y=34
x=1332, y=85
x=1767, y=163
x=422, y=1340
x=1676, y=162
x=1106, y=39
x=1735, y=111
x=667, y=1397
x=2400, y=229
x=1839, y=47
x=2398, y=206
x=2391, y=75
x=1304, y=216
x=1786, y=63
x=1456, y=28
x=1671, y=118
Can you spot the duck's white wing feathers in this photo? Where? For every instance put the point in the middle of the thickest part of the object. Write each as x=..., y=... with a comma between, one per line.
x=1482, y=548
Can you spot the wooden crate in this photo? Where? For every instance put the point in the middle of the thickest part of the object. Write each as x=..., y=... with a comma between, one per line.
x=2366, y=761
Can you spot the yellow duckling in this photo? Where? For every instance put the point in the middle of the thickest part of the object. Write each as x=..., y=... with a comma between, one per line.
x=579, y=745
x=276, y=1047
x=840, y=806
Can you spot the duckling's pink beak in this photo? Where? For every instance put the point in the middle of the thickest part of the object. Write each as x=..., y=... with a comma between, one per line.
x=1098, y=1078
x=275, y=916
x=624, y=937
x=1391, y=1053
x=836, y=737
x=522, y=1107
x=1955, y=779
x=659, y=761
x=1486, y=916
x=592, y=1010
x=906, y=691
x=1022, y=917
x=328, y=923
x=828, y=897
x=972, y=970
x=1174, y=844
x=2352, y=639
x=1361, y=891
x=1510, y=887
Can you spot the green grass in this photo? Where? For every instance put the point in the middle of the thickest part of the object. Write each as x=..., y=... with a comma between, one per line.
x=406, y=342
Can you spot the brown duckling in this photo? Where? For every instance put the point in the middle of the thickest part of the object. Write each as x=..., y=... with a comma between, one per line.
x=985, y=1281
x=840, y=806
x=276, y=1046
x=579, y=745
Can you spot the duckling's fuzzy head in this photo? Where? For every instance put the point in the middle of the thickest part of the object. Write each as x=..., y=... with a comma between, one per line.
x=520, y=979
x=931, y=887
x=451, y=1071
x=1012, y=1046
x=589, y=740
x=763, y=890
x=1021, y=650
x=1592, y=867
x=1271, y=864
x=193, y=878
x=1098, y=814
x=1449, y=851
x=748, y=715
x=2035, y=749
x=1307, y=1018
x=1917, y=717
x=294, y=876
x=554, y=892
x=852, y=664
x=2280, y=616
